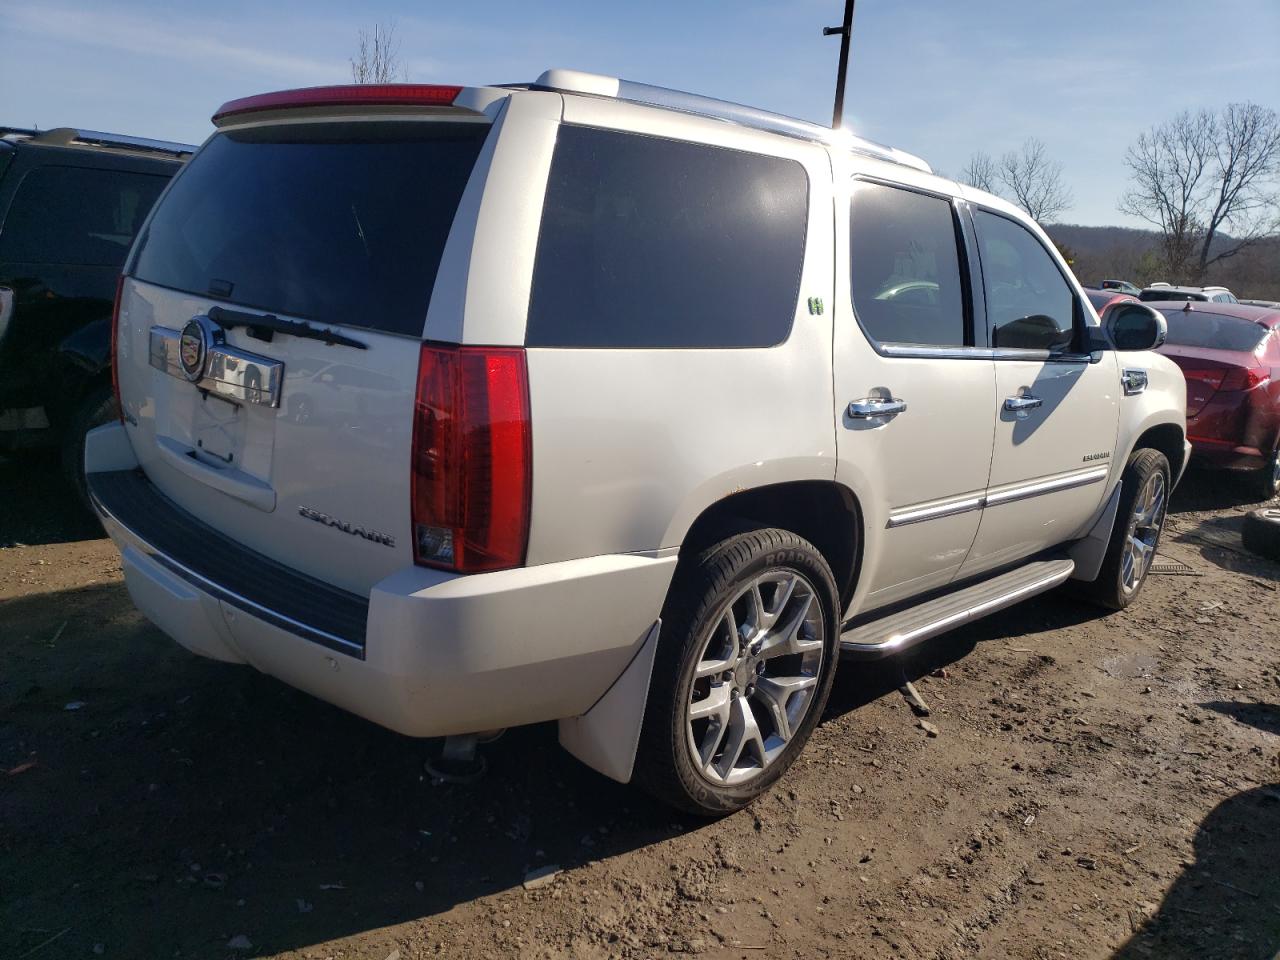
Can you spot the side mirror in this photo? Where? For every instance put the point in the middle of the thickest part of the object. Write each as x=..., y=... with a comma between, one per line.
x=1134, y=326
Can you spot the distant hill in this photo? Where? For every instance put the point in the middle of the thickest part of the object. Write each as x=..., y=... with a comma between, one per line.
x=1126, y=253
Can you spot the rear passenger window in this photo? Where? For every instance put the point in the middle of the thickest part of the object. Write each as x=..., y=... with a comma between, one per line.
x=1030, y=305
x=905, y=267
x=77, y=215
x=649, y=242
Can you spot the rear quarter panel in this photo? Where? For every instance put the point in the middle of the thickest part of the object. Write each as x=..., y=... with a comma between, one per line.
x=630, y=446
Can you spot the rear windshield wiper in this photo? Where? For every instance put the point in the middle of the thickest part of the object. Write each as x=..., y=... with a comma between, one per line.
x=264, y=325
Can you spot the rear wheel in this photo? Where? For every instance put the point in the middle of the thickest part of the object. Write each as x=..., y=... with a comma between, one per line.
x=1144, y=503
x=1266, y=481
x=97, y=407
x=745, y=662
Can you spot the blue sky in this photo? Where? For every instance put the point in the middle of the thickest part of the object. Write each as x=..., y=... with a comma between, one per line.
x=938, y=78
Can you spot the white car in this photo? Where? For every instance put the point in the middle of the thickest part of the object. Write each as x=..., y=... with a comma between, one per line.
x=671, y=403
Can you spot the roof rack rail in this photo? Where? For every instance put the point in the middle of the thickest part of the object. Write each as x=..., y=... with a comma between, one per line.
x=6, y=132
x=594, y=84
x=68, y=136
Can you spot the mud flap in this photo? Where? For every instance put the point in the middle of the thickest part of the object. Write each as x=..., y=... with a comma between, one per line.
x=606, y=736
x=1089, y=553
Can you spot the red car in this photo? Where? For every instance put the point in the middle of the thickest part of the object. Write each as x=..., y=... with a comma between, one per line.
x=1101, y=299
x=1230, y=356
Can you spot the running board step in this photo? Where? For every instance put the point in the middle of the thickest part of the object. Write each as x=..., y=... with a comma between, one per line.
x=903, y=629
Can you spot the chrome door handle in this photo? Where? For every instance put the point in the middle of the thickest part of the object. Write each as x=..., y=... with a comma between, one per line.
x=1020, y=405
x=875, y=408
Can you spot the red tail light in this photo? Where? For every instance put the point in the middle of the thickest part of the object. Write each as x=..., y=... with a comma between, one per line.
x=1245, y=378
x=115, y=337
x=471, y=461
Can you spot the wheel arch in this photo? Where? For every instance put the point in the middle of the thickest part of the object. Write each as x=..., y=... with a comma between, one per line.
x=1169, y=439
x=824, y=512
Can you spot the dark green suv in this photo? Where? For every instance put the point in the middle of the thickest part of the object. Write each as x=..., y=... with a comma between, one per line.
x=71, y=202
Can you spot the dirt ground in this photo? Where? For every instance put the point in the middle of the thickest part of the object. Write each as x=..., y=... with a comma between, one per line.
x=1101, y=787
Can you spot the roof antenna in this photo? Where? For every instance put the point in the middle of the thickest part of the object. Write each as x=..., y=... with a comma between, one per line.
x=844, y=32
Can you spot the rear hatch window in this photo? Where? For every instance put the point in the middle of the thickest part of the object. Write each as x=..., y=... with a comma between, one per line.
x=340, y=223
x=1216, y=332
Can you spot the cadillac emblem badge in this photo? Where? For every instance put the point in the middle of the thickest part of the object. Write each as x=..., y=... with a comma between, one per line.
x=193, y=347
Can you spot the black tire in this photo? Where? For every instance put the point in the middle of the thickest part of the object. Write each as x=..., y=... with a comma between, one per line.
x=96, y=408
x=704, y=587
x=1265, y=482
x=1261, y=533
x=1109, y=589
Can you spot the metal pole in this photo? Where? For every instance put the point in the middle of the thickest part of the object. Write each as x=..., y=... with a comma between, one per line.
x=845, y=33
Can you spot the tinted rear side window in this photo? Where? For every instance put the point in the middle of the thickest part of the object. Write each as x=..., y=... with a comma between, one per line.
x=905, y=262
x=648, y=242
x=340, y=223
x=77, y=215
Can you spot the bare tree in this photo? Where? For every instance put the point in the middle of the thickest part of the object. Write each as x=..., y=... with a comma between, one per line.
x=980, y=172
x=377, y=58
x=1200, y=174
x=1034, y=181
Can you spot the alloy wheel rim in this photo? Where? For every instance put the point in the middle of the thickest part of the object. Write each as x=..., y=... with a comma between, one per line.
x=755, y=678
x=1143, y=533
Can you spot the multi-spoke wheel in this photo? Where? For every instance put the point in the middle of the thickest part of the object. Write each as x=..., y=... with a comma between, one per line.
x=1143, y=533
x=745, y=662
x=1144, y=502
x=755, y=679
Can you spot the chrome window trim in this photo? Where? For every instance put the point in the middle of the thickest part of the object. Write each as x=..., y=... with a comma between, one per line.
x=926, y=352
x=1023, y=491
x=219, y=592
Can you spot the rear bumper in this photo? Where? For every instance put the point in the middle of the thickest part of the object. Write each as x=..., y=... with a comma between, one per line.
x=1226, y=454
x=431, y=653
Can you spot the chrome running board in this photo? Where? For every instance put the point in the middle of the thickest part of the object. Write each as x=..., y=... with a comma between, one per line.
x=898, y=631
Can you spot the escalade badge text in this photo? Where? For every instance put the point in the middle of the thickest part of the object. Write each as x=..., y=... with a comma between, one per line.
x=1105, y=454
x=345, y=527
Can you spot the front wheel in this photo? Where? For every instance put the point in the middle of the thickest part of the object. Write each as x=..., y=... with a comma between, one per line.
x=745, y=662
x=1144, y=503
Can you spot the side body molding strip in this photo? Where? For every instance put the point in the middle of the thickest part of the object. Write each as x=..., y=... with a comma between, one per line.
x=1023, y=491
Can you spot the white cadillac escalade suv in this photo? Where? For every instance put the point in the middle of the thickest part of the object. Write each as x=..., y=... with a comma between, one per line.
x=650, y=408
